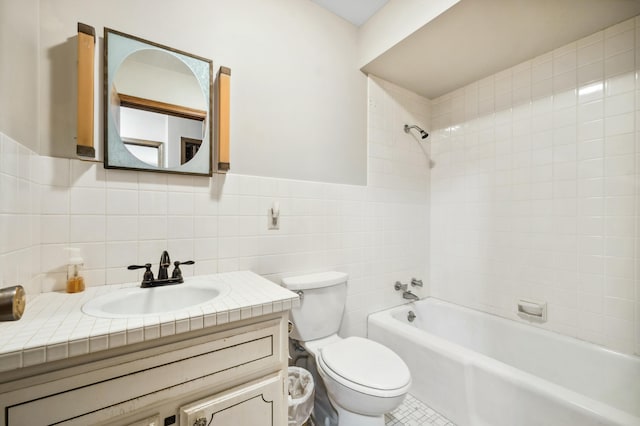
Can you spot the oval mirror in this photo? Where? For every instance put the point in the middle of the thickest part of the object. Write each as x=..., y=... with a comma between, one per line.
x=158, y=107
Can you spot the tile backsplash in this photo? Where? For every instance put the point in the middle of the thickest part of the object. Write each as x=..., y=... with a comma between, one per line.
x=19, y=216
x=534, y=191
x=377, y=233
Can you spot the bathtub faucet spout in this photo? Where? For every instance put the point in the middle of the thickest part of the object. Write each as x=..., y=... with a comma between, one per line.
x=408, y=295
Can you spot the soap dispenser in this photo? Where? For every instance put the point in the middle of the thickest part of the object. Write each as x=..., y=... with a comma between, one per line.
x=75, y=281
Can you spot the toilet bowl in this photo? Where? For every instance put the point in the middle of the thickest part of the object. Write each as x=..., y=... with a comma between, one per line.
x=364, y=379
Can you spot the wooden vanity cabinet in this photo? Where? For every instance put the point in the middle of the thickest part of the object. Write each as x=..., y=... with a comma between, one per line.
x=234, y=374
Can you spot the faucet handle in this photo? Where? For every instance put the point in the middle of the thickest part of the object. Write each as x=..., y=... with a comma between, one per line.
x=399, y=286
x=416, y=282
x=177, y=273
x=148, y=275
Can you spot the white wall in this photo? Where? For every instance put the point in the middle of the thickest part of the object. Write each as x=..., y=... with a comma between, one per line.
x=394, y=22
x=535, y=189
x=298, y=103
x=377, y=233
x=19, y=70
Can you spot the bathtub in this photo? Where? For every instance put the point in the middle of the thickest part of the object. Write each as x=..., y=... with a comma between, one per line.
x=480, y=369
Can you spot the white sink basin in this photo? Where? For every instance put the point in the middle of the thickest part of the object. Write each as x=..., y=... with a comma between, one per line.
x=137, y=302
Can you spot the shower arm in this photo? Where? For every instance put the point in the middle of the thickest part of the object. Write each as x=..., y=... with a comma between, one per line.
x=423, y=134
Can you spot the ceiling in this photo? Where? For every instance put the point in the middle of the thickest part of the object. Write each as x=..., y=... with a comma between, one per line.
x=477, y=38
x=355, y=11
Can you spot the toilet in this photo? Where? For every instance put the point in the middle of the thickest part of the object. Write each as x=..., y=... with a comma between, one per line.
x=364, y=379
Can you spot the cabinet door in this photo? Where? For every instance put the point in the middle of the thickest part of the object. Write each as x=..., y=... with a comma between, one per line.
x=213, y=363
x=256, y=403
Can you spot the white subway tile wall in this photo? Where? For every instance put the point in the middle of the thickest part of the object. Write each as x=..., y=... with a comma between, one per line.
x=534, y=191
x=378, y=233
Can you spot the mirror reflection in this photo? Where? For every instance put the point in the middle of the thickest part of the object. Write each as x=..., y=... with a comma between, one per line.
x=158, y=113
x=162, y=117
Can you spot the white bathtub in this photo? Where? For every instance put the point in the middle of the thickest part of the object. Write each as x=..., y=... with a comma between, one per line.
x=479, y=369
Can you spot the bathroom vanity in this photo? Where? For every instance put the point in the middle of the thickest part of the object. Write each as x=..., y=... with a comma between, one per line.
x=224, y=360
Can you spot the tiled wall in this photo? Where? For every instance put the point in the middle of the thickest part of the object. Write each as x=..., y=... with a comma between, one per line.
x=19, y=217
x=377, y=233
x=535, y=189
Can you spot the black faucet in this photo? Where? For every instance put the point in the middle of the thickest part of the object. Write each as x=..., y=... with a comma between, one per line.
x=165, y=262
x=163, y=276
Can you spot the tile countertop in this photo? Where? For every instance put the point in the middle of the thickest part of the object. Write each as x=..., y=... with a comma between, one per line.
x=54, y=327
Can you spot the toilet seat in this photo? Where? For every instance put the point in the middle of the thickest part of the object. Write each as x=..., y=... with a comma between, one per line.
x=365, y=366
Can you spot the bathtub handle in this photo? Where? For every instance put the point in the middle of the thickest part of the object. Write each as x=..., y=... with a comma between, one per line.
x=416, y=282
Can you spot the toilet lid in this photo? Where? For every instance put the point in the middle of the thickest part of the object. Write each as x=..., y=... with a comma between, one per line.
x=366, y=363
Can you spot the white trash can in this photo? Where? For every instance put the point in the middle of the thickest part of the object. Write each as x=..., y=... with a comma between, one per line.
x=301, y=395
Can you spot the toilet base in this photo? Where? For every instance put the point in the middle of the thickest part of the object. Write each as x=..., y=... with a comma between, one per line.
x=349, y=418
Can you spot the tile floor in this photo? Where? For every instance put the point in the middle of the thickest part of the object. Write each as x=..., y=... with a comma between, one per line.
x=414, y=412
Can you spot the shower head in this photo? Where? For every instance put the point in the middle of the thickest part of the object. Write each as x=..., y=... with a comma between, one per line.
x=423, y=134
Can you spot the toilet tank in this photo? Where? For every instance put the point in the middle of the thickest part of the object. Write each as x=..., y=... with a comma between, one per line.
x=322, y=300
